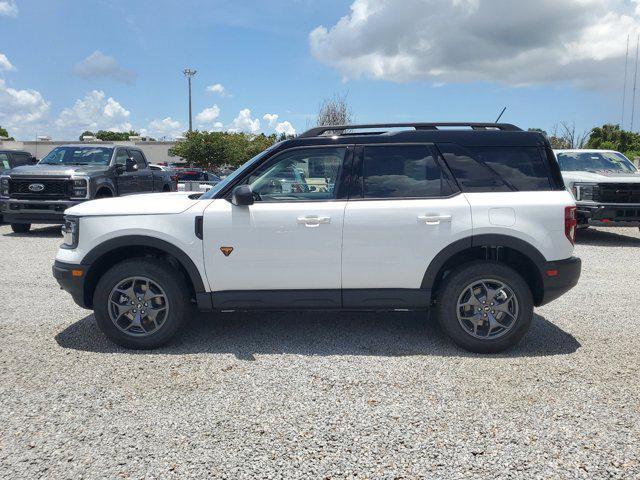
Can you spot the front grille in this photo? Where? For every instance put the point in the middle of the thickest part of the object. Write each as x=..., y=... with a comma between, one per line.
x=619, y=193
x=53, y=189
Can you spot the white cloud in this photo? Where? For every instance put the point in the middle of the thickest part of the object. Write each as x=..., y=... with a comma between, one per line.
x=99, y=65
x=244, y=123
x=94, y=112
x=270, y=118
x=207, y=116
x=166, y=127
x=219, y=89
x=286, y=128
x=21, y=108
x=581, y=42
x=5, y=64
x=8, y=8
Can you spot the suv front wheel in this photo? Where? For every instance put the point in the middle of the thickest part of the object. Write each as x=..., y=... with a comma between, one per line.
x=484, y=306
x=141, y=303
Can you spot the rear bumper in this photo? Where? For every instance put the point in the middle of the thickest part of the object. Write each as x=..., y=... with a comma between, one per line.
x=74, y=284
x=33, y=211
x=609, y=215
x=559, y=277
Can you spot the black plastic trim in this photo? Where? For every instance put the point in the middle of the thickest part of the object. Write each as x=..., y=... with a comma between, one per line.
x=326, y=299
x=568, y=274
x=199, y=226
x=74, y=285
x=144, y=241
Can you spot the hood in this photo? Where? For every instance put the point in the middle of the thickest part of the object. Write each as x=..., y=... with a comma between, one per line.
x=600, y=177
x=57, y=170
x=143, y=204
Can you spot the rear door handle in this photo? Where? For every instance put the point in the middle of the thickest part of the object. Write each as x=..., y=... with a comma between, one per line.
x=313, y=220
x=433, y=219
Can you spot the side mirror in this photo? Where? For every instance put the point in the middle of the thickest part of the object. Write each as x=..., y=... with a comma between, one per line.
x=119, y=169
x=242, y=195
x=34, y=160
x=131, y=165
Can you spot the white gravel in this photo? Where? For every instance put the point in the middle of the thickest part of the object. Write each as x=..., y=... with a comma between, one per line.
x=321, y=395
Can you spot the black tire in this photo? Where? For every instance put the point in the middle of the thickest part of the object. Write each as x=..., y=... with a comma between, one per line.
x=164, y=276
x=21, y=227
x=454, y=285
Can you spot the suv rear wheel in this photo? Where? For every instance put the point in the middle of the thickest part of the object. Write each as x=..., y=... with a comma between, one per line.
x=141, y=303
x=21, y=227
x=485, y=306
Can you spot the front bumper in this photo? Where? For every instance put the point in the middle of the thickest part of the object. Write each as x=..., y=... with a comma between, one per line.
x=35, y=211
x=71, y=278
x=559, y=277
x=609, y=214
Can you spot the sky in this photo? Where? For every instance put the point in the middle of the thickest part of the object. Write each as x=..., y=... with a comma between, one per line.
x=67, y=66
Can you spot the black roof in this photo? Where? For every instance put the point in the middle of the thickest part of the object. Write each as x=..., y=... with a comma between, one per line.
x=10, y=150
x=461, y=133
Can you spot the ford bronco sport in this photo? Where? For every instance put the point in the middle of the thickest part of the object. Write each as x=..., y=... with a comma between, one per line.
x=472, y=220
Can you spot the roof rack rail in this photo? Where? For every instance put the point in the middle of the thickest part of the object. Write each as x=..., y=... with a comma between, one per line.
x=317, y=131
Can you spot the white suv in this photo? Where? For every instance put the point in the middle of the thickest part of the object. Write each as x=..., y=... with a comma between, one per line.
x=470, y=219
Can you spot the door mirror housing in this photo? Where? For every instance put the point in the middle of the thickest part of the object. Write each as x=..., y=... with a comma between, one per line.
x=242, y=195
x=131, y=165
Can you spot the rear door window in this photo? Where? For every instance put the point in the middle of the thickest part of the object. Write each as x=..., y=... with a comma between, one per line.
x=402, y=171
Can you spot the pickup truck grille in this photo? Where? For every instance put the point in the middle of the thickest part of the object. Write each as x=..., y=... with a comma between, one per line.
x=53, y=189
x=619, y=193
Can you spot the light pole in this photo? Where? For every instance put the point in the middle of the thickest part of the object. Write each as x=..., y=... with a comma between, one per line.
x=189, y=73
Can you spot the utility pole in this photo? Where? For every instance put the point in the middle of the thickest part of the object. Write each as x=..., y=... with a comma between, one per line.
x=624, y=85
x=635, y=78
x=189, y=73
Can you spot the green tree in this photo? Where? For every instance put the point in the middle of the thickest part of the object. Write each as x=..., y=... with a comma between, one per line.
x=108, y=136
x=612, y=137
x=4, y=133
x=213, y=149
x=86, y=133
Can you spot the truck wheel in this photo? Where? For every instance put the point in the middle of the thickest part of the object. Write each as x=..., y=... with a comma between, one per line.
x=141, y=303
x=21, y=227
x=484, y=306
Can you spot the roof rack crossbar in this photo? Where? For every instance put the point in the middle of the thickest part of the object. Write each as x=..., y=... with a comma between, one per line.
x=317, y=131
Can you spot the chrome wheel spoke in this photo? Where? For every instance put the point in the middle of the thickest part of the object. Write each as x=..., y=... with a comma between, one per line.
x=487, y=308
x=138, y=306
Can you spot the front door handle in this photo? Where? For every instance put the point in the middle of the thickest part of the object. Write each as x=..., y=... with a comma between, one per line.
x=313, y=220
x=433, y=219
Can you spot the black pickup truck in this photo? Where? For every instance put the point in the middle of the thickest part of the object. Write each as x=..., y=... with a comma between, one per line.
x=71, y=174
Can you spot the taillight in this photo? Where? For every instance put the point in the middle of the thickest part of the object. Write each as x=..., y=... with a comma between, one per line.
x=570, y=224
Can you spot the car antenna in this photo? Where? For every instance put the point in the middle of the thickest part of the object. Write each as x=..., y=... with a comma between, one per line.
x=500, y=116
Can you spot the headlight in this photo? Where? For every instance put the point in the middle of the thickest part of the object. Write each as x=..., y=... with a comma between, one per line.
x=585, y=191
x=70, y=232
x=4, y=186
x=79, y=187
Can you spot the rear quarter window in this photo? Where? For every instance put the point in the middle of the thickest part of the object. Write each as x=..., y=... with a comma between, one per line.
x=497, y=169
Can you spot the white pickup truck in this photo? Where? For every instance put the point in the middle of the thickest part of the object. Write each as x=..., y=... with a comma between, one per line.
x=605, y=184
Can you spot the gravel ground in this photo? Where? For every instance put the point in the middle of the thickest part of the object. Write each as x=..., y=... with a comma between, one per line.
x=321, y=395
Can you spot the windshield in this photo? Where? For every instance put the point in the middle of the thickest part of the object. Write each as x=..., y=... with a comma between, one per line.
x=595, y=162
x=227, y=180
x=78, y=156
